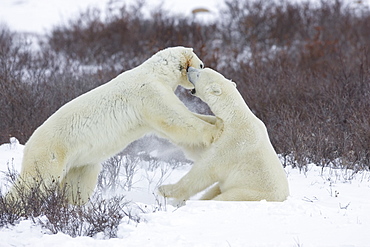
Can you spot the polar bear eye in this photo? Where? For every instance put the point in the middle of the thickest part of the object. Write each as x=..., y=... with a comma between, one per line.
x=201, y=66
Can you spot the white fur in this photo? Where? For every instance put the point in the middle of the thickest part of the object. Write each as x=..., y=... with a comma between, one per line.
x=70, y=145
x=241, y=164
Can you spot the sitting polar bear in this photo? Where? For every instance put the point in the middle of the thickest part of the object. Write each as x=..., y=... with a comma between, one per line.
x=241, y=164
x=70, y=145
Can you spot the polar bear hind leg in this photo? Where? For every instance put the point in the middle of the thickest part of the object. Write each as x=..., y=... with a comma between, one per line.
x=80, y=182
x=196, y=180
x=212, y=192
x=41, y=176
x=239, y=194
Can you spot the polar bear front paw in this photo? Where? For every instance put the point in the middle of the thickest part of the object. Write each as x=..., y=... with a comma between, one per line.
x=176, y=203
x=165, y=190
x=171, y=190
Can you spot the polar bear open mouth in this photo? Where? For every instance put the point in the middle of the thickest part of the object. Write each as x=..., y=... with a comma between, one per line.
x=192, y=74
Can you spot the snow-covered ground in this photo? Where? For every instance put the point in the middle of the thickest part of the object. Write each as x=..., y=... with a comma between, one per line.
x=326, y=208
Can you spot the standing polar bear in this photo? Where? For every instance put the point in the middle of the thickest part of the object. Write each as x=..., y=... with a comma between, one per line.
x=241, y=164
x=70, y=145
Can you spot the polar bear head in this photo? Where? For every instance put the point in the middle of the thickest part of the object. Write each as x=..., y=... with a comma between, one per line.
x=212, y=87
x=175, y=61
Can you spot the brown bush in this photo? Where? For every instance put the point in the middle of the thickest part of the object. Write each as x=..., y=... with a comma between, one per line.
x=125, y=37
x=49, y=207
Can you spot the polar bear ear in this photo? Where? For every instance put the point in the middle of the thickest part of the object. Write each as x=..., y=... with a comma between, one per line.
x=188, y=51
x=216, y=89
x=233, y=83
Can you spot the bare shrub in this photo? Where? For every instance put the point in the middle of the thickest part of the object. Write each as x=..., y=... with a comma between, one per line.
x=100, y=216
x=125, y=36
x=110, y=176
x=49, y=207
x=118, y=173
